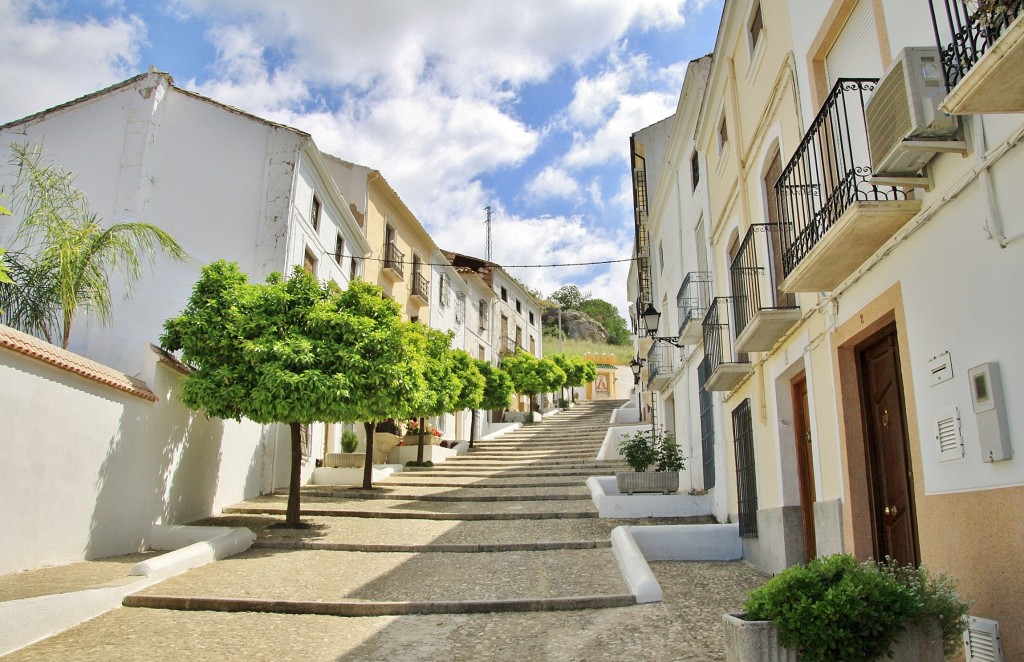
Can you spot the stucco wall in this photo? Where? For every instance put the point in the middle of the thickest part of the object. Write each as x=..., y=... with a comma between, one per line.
x=87, y=470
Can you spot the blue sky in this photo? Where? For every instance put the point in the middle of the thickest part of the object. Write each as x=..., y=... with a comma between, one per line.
x=524, y=105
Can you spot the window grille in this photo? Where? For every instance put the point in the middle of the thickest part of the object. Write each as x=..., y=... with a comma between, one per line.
x=746, y=475
x=460, y=307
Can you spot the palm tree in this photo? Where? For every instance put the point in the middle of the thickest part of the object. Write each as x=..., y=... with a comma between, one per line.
x=64, y=257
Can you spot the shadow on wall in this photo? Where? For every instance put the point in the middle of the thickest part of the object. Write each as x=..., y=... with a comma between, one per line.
x=162, y=466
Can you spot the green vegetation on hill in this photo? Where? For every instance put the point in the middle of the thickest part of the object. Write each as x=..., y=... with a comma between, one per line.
x=569, y=297
x=624, y=353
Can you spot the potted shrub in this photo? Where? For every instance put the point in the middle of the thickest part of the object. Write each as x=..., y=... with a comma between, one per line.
x=642, y=451
x=349, y=441
x=835, y=608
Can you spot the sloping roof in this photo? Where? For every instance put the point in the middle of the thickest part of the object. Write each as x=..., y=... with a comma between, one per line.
x=42, y=351
x=170, y=81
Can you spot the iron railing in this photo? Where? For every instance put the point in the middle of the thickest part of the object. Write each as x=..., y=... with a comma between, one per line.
x=394, y=259
x=694, y=297
x=659, y=361
x=718, y=341
x=509, y=345
x=972, y=28
x=746, y=470
x=421, y=286
x=707, y=424
x=642, y=237
x=830, y=170
x=756, y=273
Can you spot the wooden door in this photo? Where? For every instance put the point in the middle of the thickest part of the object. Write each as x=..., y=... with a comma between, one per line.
x=885, y=434
x=804, y=463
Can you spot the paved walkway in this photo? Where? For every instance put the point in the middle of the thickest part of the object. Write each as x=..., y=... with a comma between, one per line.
x=401, y=572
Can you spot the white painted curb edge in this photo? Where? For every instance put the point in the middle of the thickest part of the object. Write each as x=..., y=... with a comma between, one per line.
x=635, y=571
x=29, y=620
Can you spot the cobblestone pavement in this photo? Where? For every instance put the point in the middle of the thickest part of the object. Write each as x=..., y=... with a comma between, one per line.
x=686, y=627
x=67, y=578
x=461, y=545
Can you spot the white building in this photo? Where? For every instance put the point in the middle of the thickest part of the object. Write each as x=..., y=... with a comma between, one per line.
x=224, y=183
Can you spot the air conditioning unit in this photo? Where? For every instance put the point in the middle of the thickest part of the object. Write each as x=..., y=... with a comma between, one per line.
x=905, y=107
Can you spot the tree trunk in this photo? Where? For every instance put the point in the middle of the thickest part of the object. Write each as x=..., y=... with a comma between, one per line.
x=472, y=427
x=368, y=463
x=419, y=448
x=295, y=483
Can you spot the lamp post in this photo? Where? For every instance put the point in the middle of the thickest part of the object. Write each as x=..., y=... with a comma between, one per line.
x=636, y=365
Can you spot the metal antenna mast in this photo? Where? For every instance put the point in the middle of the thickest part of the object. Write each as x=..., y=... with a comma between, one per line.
x=487, y=251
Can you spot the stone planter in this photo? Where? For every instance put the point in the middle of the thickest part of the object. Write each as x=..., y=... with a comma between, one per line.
x=629, y=482
x=758, y=641
x=352, y=460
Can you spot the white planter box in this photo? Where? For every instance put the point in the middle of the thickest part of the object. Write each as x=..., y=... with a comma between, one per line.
x=666, y=482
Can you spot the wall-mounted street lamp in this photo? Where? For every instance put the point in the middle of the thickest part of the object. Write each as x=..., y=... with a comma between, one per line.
x=651, y=320
x=636, y=365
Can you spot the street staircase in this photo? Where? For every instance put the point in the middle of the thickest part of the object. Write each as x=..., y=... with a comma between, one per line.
x=508, y=526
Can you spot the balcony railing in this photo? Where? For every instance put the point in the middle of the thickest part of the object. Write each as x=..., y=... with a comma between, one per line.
x=726, y=368
x=394, y=259
x=692, y=300
x=829, y=172
x=762, y=312
x=509, y=345
x=659, y=365
x=421, y=287
x=973, y=31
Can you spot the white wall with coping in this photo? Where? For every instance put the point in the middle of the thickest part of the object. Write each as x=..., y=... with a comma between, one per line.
x=611, y=503
x=92, y=481
x=610, y=445
x=30, y=620
x=634, y=546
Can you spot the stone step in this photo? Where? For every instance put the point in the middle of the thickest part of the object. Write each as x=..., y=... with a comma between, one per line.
x=414, y=509
x=509, y=473
x=388, y=491
x=360, y=583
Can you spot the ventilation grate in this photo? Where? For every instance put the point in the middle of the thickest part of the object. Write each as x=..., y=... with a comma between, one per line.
x=981, y=640
x=947, y=435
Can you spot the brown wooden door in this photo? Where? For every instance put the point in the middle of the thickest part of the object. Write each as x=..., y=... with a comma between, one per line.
x=892, y=493
x=804, y=463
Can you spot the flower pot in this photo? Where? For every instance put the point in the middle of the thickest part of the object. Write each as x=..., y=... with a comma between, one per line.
x=629, y=482
x=758, y=641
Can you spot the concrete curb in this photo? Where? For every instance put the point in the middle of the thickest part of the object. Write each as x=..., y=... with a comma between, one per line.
x=633, y=546
x=635, y=571
x=33, y=619
x=364, y=608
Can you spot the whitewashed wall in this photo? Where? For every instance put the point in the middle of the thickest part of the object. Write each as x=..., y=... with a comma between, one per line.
x=87, y=469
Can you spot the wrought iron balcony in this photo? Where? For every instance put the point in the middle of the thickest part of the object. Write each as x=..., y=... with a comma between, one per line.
x=660, y=365
x=421, y=289
x=833, y=218
x=726, y=368
x=982, y=47
x=763, y=313
x=693, y=299
x=394, y=261
x=508, y=345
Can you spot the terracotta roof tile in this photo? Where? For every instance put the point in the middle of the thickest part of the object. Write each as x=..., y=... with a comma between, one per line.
x=40, y=350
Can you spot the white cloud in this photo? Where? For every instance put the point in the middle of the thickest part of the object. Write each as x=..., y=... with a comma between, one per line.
x=49, y=61
x=552, y=183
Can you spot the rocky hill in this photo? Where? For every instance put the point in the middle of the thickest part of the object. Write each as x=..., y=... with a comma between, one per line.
x=576, y=325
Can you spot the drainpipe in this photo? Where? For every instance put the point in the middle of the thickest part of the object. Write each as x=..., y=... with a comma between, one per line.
x=993, y=224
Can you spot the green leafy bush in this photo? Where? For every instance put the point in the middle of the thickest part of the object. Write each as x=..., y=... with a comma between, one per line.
x=835, y=608
x=648, y=448
x=349, y=441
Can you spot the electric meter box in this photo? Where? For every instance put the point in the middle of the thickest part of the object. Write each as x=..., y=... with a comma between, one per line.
x=990, y=412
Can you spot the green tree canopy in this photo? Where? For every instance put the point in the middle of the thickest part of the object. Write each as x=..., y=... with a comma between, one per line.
x=264, y=352
x=531, y=375
x=498, y=386
x=569, y=297
x=471, y=392
x=442, y=383
x=609, y=318
x=61, y=259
